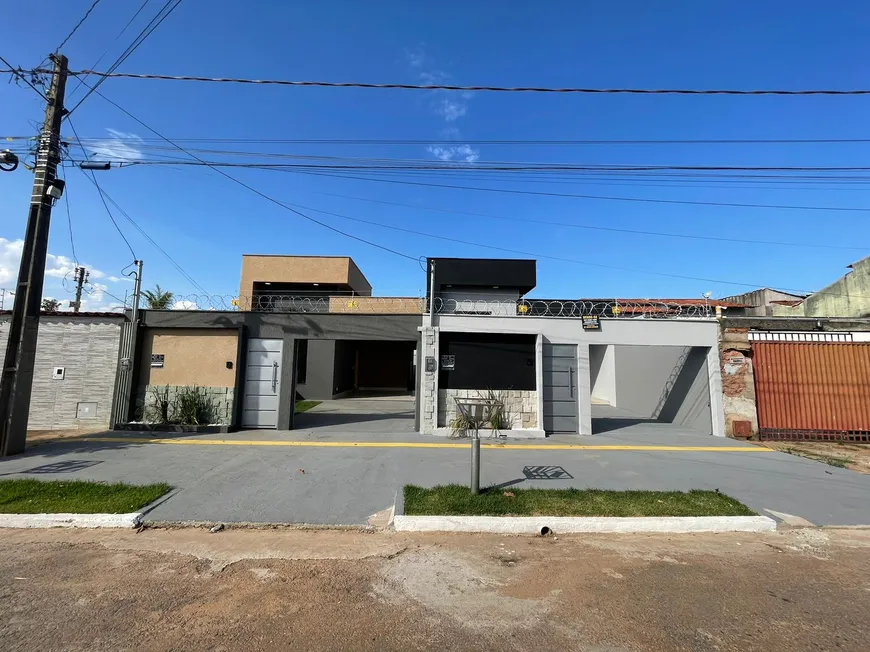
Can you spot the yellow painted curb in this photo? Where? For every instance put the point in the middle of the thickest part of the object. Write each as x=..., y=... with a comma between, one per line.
x=391, y=444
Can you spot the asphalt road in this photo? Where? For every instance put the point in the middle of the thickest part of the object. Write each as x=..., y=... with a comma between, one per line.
x=328, y=480
x=189, y=590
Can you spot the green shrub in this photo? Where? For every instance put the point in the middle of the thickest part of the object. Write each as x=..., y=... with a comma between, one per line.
x=194, y=406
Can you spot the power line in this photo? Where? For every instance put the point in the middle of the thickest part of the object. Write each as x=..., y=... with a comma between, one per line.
x=117, y=36
x=19, y=73
x=498, y=89
x=257, y=192
x=78, y=24
x=171, y=260
x=577, y=196
x=155, y=22
x=595, y=228
x=431, y=141
x=72, y=242
x=102, y=199
x=519, y=167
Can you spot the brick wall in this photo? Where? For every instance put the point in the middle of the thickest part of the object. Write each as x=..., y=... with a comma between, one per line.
x=87, y=348
x=738, y=383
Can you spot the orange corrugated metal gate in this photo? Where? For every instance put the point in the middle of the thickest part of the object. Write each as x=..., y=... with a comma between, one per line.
x=812, y=390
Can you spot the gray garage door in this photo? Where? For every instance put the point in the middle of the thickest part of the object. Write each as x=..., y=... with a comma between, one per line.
x=262, y=384
x=560, y=388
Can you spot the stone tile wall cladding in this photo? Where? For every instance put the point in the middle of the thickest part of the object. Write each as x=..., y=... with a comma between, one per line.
x=222, y=398
x=87, y=349
x=738, y=383
x=429, y=379
x=521, y=406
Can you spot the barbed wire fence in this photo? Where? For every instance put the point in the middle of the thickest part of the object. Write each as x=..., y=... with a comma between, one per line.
x=602, y=308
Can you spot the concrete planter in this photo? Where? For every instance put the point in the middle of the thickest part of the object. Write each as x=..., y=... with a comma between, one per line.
x=172, y=427
x=494, y=436
x=130, y=520
x=540, y=525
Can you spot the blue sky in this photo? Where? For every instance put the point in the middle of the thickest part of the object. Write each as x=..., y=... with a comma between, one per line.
x=206, y=222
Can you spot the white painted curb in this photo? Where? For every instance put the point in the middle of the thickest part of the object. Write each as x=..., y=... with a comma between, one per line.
x=578, y=524
x=70, y=520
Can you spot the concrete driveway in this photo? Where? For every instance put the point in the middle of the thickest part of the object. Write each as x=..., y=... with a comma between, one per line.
x=342, y=478
x=376, y=415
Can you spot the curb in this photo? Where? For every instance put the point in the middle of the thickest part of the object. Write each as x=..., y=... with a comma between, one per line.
x=582, y=524
x=130, y=520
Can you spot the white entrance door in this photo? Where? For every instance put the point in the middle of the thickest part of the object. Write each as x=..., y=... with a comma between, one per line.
x=262, y=384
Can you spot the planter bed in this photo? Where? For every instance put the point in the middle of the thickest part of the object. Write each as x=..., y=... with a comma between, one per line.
x=172, y=427
x=453, y=508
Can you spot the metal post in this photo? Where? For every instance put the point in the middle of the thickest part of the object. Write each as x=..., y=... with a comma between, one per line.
x=17, y=374
x=127, y=353
x=475, y=463
x=431, y=293
x=80, y=278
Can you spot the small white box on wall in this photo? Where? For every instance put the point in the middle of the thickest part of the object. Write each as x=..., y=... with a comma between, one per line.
x=59, y=373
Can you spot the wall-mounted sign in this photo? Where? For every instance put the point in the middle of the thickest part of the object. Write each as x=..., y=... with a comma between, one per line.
x=448, y=362
x=591, y=323
x=157, y=359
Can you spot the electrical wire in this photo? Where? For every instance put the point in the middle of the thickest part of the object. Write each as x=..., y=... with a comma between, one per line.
x=155, y=22
x=19, y=74
x=257, y=192
x=102, y=199
x=106, y=51
x=498, y=89
x=78, y=24
x=577, y=196
x=72, y=242
x=595, y=228
x=171, y=260
x=430, y=141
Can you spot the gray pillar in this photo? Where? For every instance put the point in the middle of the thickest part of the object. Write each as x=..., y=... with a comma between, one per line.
x=717, y=408
x=584, y=390
x=287, y=400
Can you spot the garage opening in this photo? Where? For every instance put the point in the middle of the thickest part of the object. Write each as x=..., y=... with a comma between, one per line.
x=650, y=389
x=362, y=385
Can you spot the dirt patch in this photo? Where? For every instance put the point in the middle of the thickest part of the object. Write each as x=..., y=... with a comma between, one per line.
x=855, y=457
x=791, y=591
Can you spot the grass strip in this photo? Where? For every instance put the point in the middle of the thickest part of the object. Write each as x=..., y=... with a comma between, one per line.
x=457, y=500
x=29, y=496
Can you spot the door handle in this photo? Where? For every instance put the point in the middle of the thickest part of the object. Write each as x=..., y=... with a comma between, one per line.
x=274, y=377
x=571, y=380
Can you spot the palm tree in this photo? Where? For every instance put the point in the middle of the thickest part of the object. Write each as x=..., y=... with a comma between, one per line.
x=50, y=305
x=158, y=299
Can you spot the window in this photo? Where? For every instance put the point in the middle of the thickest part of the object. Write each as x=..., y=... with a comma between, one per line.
x=488, y=361
x=301, y=361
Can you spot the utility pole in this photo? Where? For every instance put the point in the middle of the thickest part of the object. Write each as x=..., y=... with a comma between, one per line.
x=81, y=277
x=16, y=380
x=127, y=367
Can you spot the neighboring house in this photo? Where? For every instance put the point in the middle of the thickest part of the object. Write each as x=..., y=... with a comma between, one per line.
x=309, y=327
x=800, y=378
x=75, y=369
x=846, y=297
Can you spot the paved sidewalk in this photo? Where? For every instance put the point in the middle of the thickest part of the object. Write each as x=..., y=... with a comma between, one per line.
x=331, y=479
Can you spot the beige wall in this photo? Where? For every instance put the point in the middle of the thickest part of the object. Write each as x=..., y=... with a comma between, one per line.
x=193, y=357
x=301, y=269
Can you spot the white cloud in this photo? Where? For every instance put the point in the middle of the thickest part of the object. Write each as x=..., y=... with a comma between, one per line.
x=184, y=305
x=56, y=267
x=121, y=147
x=464, y=153
x=448, y=105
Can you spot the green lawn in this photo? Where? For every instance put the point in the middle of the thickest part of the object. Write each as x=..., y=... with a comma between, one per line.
x=304, y=406
x=457, y=500
x=75, y=497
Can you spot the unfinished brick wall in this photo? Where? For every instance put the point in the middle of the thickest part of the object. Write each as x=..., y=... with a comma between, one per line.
x=738, y=383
